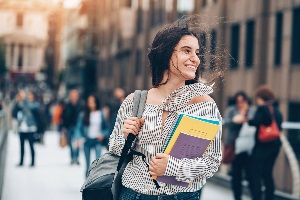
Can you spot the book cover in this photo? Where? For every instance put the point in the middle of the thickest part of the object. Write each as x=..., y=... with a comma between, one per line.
x=190, y=138
x=196, y=126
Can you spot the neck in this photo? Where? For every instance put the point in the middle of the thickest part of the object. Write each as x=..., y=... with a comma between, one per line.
x=169, y=87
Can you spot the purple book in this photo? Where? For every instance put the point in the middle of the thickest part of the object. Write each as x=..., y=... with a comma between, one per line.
x=186, y=146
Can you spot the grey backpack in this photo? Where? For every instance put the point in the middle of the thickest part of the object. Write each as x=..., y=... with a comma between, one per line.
x=105, y=174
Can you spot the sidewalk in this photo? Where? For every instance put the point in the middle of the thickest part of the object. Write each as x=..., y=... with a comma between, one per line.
x=53, y=178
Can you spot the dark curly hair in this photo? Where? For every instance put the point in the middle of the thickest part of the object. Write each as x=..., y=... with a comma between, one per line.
x=165, y=41
x=265, y=93
x=161, y=51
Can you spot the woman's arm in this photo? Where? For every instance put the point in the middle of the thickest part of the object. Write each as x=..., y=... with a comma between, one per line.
x=187, y=170
x=117, y=140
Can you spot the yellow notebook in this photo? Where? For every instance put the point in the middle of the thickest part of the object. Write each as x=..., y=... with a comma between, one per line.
x=193, y=127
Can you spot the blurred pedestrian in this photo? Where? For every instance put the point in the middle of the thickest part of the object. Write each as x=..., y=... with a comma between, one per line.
x=233, y=120
x=111, y=109
x=57, y=115
x=26, y=111
x=69, y=118
x=174, y=63
x=264, y=153
x=92, y=127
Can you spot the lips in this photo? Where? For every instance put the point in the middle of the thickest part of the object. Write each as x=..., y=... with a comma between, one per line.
x=191, y=67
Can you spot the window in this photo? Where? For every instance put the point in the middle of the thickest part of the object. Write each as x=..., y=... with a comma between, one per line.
x=294, y=134
x=234, y=51
x=295, y=55
x=249, y=43
x=213, y=44
x=138, y=62
x=185, y=7
x=278, y=39
x=139, y=20
x=19, y=20
x=20, y=57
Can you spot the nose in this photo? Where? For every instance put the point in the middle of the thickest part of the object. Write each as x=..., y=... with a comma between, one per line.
x=194, y=57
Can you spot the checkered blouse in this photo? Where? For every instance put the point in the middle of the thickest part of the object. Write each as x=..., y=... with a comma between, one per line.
x=153, y=137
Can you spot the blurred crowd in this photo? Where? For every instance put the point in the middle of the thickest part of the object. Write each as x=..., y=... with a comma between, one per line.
x=86, y=124
x=82, y=123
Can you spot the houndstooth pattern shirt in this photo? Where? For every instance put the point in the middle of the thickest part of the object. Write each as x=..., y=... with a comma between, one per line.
x=153, y=136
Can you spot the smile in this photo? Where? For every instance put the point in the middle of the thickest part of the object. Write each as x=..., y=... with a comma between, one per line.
x=191, y=67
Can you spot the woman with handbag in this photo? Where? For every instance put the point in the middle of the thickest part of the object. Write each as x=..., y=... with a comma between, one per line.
x=174, y=63
x=266, y=149
x=233, y=121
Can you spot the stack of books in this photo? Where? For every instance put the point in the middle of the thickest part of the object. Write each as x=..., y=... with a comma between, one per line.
x=190, y=138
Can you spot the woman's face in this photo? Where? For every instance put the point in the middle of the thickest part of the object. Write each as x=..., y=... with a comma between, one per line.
x=185, y=58
x=91, y=103
x=259, y=101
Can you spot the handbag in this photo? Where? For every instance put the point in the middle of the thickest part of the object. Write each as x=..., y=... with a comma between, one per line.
x=228, y=154
x=246, y=139
x=104, y=177
x=270, y=132
x=63, y=141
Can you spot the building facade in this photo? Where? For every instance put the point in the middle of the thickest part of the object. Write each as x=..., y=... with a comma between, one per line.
x=24, y=31
x=261, y=39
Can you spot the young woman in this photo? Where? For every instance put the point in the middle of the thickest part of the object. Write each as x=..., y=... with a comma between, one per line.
x=233, y=120
x=174, y=61
x=264, y=154
x=92, y=127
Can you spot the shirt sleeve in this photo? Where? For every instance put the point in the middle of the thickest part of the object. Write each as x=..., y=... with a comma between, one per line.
x=117, y=140
x=187, y=170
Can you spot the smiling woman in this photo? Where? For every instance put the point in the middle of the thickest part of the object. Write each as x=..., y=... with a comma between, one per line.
x=175, y=70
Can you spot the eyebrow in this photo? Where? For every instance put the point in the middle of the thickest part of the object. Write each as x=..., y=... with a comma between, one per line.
x=183, y=47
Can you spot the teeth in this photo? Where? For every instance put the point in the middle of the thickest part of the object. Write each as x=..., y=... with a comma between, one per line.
x=190, y=66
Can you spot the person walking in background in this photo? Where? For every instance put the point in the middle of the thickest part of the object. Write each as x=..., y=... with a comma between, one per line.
x=111, y=110
x=113, y=106
x=264, y=153
x=233, y=121
x=69, y=118
x=26, y=111
x=92, y=127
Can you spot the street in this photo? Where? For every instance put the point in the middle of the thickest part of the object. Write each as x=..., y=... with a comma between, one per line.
x=54, y=178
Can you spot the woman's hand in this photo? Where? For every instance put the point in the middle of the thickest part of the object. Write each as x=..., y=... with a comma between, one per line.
x=100, y=138
x=239, y=119
x=132, y=125
x=158, y=164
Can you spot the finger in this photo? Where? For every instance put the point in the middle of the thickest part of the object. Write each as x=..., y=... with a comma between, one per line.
x=151, y=168
x=131, y=129
x=142, y=121
x=152, y=164
x=160, y=156
x=132, y=122
x=152, y=173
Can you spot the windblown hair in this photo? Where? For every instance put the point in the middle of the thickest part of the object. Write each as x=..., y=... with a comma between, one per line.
x=165, y=41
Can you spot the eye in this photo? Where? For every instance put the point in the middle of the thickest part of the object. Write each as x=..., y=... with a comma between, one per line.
x=198, y=54
x=186, y=51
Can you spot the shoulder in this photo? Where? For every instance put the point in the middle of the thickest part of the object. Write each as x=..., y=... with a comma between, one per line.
x=130, y=96
x=199, y=99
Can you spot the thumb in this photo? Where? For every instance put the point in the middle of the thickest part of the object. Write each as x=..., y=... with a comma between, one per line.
x=142, y=121
x=159, y=156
